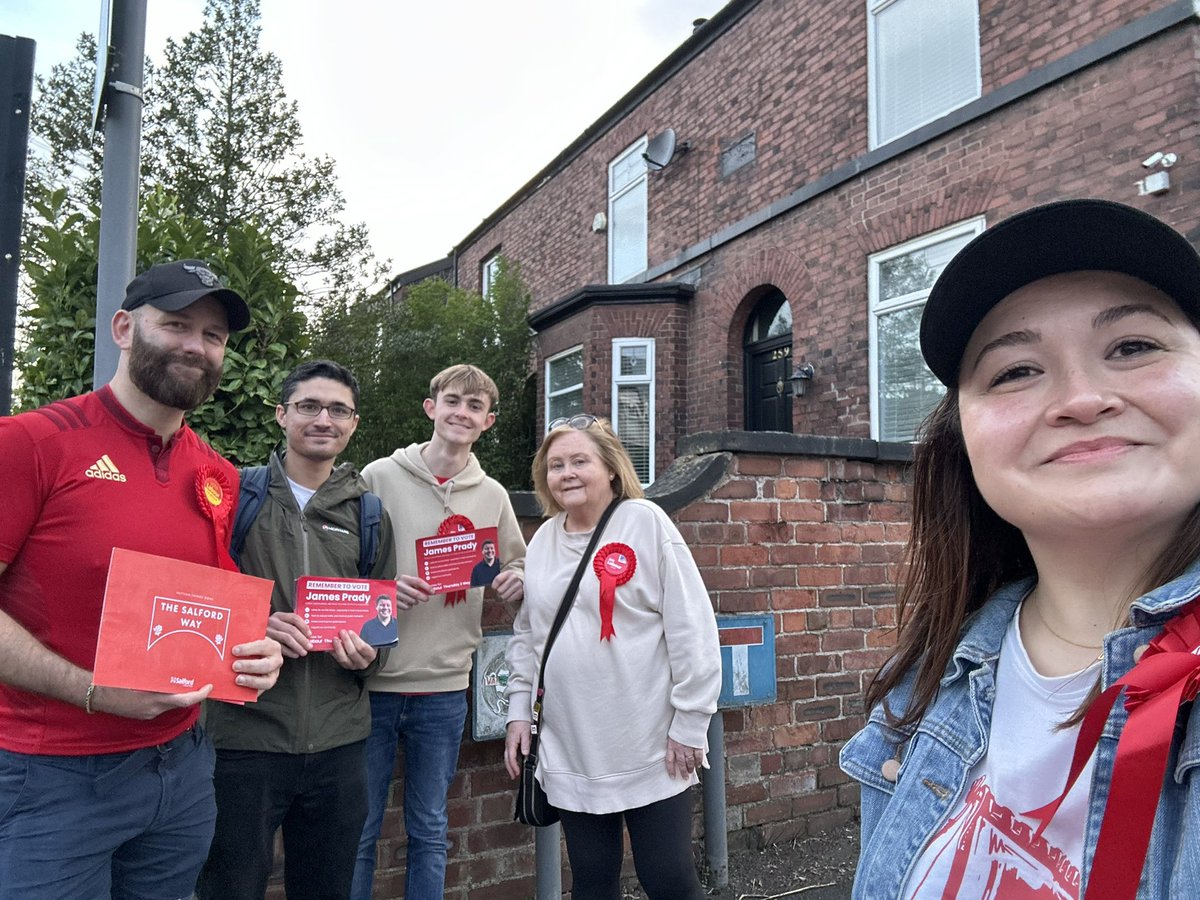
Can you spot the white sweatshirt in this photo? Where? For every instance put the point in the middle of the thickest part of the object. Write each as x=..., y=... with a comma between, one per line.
x=610, y=706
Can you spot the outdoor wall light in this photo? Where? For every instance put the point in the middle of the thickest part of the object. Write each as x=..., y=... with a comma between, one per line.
x=800, y=377
x=1158, y=182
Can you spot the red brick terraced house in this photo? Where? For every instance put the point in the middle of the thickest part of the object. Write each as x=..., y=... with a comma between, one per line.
x=731, y=264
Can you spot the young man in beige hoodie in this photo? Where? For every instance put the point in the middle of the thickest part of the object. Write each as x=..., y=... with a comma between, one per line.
x=420, y=696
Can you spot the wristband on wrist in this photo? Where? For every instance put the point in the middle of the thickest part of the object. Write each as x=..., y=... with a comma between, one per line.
x=87, y=699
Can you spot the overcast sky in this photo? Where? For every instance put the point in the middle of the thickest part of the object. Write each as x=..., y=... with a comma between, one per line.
x=435, y=113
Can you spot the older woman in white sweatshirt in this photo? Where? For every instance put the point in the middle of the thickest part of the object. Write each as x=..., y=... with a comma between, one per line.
x=633, y=675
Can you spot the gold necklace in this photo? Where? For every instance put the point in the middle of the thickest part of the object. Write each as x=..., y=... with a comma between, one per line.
x=1065, y=640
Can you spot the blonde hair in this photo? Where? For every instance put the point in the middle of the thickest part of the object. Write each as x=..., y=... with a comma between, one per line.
x=612, y=453
x=468, y=379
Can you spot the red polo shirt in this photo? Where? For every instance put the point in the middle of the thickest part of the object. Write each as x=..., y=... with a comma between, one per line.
x=81, y=477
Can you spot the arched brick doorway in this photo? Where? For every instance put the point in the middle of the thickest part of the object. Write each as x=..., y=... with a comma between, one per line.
x=767, y=351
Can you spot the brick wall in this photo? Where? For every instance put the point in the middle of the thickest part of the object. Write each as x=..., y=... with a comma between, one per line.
x=1080, y=135
x=794, y=75
x=812, y=541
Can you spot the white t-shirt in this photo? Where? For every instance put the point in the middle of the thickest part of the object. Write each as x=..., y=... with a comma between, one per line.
x=301, y=493
x=987, y=848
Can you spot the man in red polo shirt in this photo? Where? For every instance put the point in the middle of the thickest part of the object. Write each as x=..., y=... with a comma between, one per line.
x=107, y=792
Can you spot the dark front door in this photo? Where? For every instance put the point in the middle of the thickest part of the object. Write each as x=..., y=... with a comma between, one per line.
x=768, y=393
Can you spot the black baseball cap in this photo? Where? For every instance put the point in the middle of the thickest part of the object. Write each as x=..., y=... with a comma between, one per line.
x=1067, y=236
x=175, y=285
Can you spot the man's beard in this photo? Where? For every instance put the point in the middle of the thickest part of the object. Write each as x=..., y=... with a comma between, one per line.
x=150, y=371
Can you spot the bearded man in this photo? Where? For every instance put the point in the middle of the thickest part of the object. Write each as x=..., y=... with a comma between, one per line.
x=107, y=792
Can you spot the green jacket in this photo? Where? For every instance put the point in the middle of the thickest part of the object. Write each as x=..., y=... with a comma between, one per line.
x=316, y=704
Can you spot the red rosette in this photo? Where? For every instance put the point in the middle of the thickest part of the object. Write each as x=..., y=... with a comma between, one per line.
x=216, y=497
x=1165, y=677
x=455, y=524
x=614, y=564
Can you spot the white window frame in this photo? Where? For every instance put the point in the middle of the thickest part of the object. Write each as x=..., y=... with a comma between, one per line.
x=877, y=309
x=578, y=348
x=875, y=94
x=648, y=379
x=487, y=274
x=617, y=193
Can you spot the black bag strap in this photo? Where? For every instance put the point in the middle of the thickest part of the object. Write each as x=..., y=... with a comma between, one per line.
x=568, y=601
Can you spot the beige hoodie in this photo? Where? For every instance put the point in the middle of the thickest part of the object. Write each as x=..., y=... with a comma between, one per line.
x=436, y=641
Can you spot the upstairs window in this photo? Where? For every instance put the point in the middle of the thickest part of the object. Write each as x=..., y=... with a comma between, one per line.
x=564, y=384
x=633, y=401
x=903, y=390
x=923, y=62
x=627, y=214
x=487, y=274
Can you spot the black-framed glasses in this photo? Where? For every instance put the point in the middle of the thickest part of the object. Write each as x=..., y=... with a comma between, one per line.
x=581, y=421
x=310, y=409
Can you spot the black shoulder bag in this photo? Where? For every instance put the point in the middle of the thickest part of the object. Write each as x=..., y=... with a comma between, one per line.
x=532, y=806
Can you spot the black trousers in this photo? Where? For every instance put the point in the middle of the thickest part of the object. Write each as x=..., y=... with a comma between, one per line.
x=320, y=800
x=660, y=835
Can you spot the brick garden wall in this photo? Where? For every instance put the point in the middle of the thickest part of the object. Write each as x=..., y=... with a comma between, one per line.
x=811, y=540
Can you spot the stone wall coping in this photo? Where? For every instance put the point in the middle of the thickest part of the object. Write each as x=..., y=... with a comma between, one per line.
x=704, y=458
x=781, y=443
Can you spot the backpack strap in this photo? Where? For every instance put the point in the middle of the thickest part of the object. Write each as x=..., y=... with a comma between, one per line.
x=370, y=514
x=253, y=492
x=250, y=500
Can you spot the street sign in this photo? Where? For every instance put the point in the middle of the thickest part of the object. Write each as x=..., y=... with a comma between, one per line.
x=103, y=57
x=747, y=660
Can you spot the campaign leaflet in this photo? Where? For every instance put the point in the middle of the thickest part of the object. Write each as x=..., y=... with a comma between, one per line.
x=454, y=562
x=168, y=625
x=362, y=605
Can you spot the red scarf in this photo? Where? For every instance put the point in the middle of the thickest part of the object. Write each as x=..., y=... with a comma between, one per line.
x=1166, y=676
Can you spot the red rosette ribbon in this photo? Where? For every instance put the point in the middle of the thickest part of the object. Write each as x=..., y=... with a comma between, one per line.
x=216, y=498
x=614, y=564
x=455, y=524
x=1166, y=676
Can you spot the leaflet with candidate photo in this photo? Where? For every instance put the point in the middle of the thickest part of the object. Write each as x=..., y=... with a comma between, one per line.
x=454, y=562
x=362, y=605
x=168, y=625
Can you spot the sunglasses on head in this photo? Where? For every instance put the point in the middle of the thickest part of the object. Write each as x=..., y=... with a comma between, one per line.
x=581, y=421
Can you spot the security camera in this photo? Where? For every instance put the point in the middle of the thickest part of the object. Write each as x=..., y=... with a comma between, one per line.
x=1152, y=160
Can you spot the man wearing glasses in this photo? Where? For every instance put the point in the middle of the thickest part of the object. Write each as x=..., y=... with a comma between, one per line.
x=298, y=759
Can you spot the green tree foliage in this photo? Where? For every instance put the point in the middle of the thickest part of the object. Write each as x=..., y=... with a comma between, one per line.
x=227, y=140
x=56, y=356
x=220, y=134
x=71, y=160
x=395, y=346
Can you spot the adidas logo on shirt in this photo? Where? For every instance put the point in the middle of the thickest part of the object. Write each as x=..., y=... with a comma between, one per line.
x=105, y=469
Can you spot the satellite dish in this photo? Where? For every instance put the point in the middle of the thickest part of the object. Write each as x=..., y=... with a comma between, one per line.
x=661, y=149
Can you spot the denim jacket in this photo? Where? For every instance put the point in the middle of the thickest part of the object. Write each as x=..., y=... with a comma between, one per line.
x=936, y=755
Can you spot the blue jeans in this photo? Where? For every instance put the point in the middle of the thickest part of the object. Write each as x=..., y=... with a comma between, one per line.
x=130, y=826
x=430, y=728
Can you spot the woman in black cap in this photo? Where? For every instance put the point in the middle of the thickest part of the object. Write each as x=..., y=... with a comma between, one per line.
x=1031, y=736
